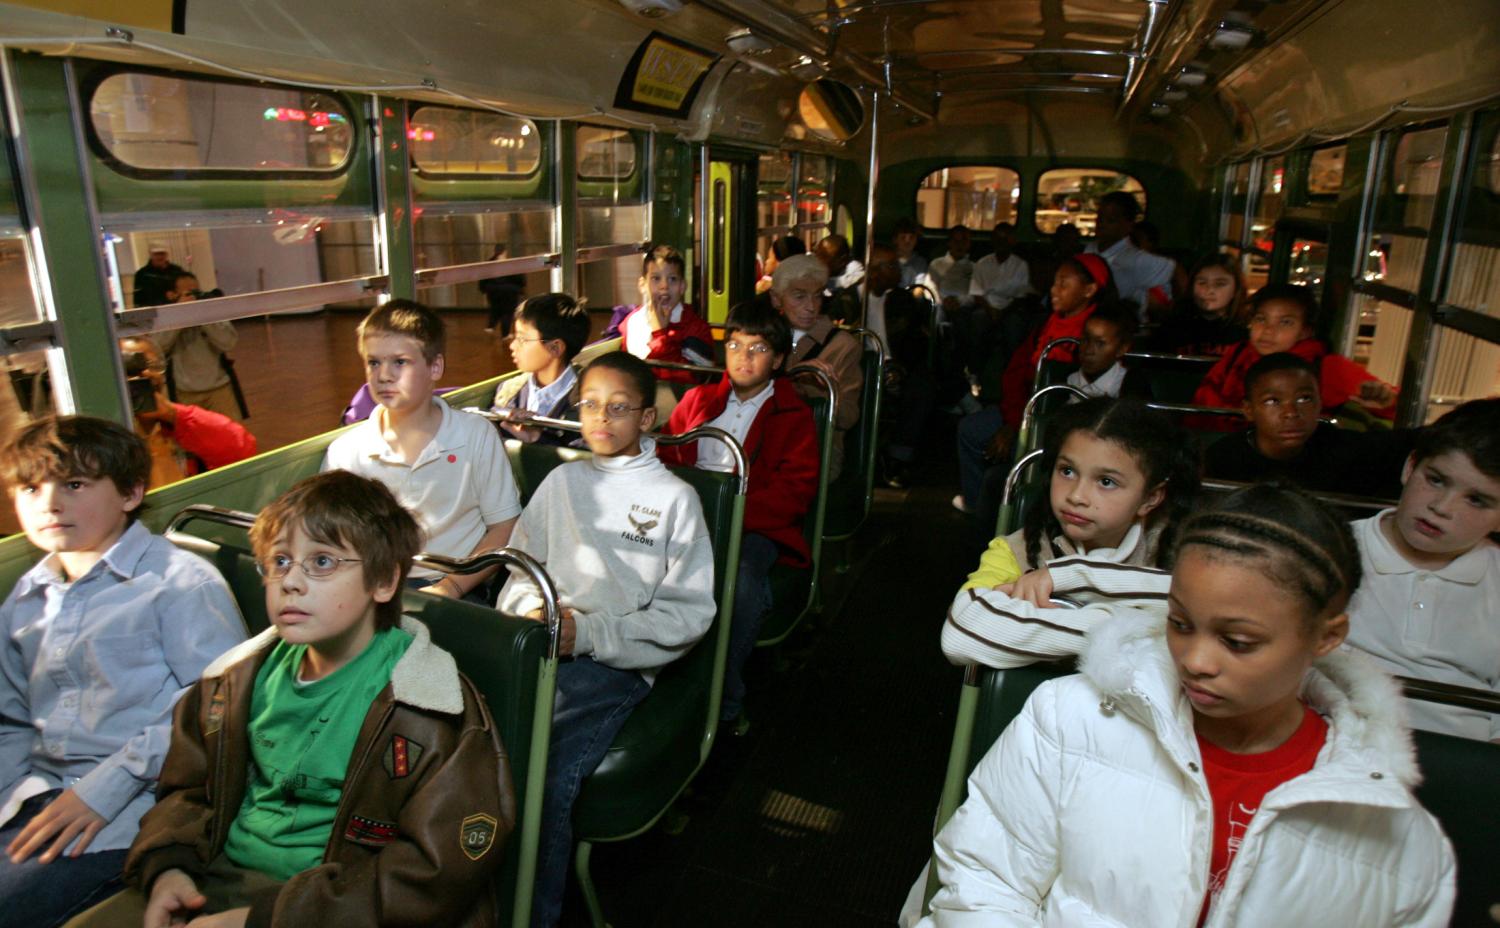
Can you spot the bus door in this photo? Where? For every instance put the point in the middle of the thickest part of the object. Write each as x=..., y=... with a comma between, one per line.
x=725, y=212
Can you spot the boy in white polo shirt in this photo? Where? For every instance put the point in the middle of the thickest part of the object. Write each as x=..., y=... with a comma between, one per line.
x=448, y=467
x=1429, y=606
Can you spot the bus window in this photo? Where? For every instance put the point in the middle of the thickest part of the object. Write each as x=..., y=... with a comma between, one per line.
x=447, y=141
x=1072, y=194
x=974, y=196
x=1268, y=201
x=773, y=215
x=150, y=124
x=605, y=154
x=814, y=180
x=1239, y=195
x=613, y=214
x=1325, y=171
x=1309, y=264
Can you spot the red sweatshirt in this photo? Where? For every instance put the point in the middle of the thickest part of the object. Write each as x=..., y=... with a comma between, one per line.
x=667, y=344
x=214, y=439
x=1338, y=381
x=1015, y=385
x=782, y=450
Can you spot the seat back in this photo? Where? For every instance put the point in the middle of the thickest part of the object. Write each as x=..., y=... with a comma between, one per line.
x=852, y=493
x=503, y=656
x=1461, y=787
x=1173, y=378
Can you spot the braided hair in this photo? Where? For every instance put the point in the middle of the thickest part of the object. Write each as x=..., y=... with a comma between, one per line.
x=1165, y=453
x=1297, y=540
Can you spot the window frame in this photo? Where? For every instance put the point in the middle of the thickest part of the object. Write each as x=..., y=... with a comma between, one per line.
x=415, y=106
x=1036, y=191
x=1013, y=167
x=353, y=114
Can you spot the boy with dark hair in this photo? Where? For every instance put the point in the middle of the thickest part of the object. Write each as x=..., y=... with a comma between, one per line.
x=549, y=332
x=662, y=328
x=1107, y=336
x=906, y=235
x=775, y=427
x=448, y=467
x=1431, y=594
x=1286, y=441
x=100, y=639
x=626, y=544
x=337, y=768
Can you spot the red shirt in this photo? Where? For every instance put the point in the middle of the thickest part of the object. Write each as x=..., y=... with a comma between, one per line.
x=1015, y=387
x=1238, y=782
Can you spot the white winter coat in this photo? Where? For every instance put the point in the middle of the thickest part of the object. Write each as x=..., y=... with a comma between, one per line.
x=1092, y=810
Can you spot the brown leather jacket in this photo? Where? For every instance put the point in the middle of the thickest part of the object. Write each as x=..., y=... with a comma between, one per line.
x=844, y=353
x=426, y=808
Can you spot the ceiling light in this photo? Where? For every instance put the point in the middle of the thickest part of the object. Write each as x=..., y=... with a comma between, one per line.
x=1231, y=35
x=1173, y=95
x=1160, y=109
x=652, y=9
x=744, y=42
x=1190, y=76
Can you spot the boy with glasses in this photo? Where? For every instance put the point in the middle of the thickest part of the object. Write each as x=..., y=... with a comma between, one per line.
x=626, y=544
x=549, y=332
x=336, y=769
x=775, y=426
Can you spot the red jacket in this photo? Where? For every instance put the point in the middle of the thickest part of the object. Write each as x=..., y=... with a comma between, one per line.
x=1224, y=384
x=667, y=344
x=782, y=450
x=1015, y=386
x=214, y=439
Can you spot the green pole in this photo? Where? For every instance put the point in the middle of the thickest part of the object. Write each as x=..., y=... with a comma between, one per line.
x=394, y=189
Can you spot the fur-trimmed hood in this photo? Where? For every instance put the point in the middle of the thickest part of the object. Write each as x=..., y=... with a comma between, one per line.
x=1128, y=661
x=426, y=676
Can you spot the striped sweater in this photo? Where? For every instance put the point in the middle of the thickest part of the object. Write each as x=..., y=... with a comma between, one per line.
x=985, y=626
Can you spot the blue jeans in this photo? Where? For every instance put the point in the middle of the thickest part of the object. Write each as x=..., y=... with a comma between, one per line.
x=974, y=433
x=752, y=600
x=592, y=703
x=37, y=895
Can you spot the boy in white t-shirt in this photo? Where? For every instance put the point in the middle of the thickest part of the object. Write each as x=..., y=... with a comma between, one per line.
x=447, y=467
x=1430, y=603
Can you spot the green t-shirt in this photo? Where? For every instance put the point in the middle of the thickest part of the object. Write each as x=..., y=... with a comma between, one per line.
x=301, y=738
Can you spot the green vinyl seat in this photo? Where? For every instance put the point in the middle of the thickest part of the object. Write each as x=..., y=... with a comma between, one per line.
x=850, y=495
x=794, y=590
x=1461, y=787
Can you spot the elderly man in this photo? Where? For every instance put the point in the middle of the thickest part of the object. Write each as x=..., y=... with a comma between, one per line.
x=797, y=293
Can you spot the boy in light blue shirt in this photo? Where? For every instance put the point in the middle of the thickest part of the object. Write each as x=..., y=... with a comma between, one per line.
x=100, y=639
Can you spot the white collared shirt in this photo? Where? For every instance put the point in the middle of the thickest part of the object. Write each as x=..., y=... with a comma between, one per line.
x=875, y=317
x=1136, y=272
x=540, y=400
x=736, y=419
x=1000, y=282
x=459, y=484
x=1106, y=384
x=1441, y=625
x=951, y=277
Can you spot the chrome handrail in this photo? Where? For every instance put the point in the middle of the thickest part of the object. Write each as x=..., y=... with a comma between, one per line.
x=1338, y=499
x=202, y=512
x=736, y=450
x=1041, y=359
x=1028, y=415
x=863, y=333
x=507, y=556
x=1205, y=359
x=1012, y=478
x=1448, y=694
x=684, y=366
x=823, y=376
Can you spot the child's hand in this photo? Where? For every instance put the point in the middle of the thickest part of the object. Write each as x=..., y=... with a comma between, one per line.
x=1034, y=587
x=1375, y=395
x=567, y=629
x=174, y=896
x=515, y=430
x=233, y=918
x=67, y=817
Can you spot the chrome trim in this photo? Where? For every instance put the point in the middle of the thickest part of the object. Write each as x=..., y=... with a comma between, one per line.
x=1029, y=414
x=26, y=337
x=507, y=556
x=1014, y=477
x=265, y=303
x=180, y=219
x=1041, y=359
x=603, y=252
x=483, y=270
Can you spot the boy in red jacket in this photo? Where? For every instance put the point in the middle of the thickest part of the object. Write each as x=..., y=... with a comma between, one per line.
x=775, y=426
x=1281, y=319
x=662, y=328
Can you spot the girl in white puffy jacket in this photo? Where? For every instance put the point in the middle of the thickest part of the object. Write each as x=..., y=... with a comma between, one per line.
x=1227, y=767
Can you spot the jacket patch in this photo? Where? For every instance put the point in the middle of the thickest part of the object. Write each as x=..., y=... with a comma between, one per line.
x=363, y=830
x=477, y=835
x=215, y=712
x=401, y=756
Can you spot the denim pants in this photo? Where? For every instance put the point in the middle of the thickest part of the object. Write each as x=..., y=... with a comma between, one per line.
x=752, y=600
x=974, y=433
x=592, y=703
x=37, y=895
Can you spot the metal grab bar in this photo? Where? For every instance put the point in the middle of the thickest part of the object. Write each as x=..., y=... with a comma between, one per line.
x=1197, y=410
x=736, y=450
x=507, y=556
x=1041, y=359
x=1028, y=415
x=202, y=512
x=1208, y=360
x=1014, y=477
x=1338, y=499
x=683, y=366
x=863, y=333
x=824, y=378
x=1449, y=694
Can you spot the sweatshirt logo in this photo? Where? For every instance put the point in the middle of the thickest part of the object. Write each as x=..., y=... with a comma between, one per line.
x=641, y=527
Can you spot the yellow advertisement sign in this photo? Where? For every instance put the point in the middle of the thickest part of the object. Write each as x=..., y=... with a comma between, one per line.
x=663, y=76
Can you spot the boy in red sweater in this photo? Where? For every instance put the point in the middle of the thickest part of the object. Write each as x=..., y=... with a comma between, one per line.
x=775, y=426
x=662, y=328
x=1282, y=319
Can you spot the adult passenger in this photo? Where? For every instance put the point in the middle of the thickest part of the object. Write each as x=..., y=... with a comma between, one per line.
x=951, y=275
x=503, y=294
x=200, y=372
x=156, y=278
x=1143, y=279
x=843, y=270
x=907, y=236
x=797, y=293
x=1002, y=276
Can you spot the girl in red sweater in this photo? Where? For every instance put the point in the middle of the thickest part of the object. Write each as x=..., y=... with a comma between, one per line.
x=1281, y=319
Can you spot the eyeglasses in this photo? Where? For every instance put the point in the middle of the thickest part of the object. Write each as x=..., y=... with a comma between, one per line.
x=317, y=566
x=518, y=337
x=610, y=410
x=757, y=348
